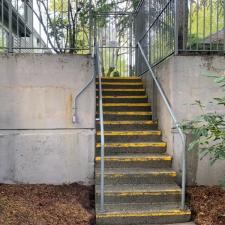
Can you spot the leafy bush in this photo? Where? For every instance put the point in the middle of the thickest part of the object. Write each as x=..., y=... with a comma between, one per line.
x=208, y=129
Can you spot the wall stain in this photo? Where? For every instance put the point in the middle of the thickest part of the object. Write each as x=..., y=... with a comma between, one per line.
x=68, y=108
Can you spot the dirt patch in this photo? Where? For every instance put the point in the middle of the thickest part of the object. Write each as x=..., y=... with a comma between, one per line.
x=46, y=205
x=207, y=205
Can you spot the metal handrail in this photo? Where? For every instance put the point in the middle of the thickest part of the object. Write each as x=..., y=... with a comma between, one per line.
x=172, y=113
x=101, y=118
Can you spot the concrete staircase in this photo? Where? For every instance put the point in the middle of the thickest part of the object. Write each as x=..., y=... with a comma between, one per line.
x=140, y=186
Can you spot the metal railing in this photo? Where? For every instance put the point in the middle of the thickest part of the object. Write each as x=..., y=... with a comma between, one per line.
x=178, y=26
x=200, y=25
x=115, y=38
x=155, y=31
x=173, y=116
x=40, y=26
x=101, y=121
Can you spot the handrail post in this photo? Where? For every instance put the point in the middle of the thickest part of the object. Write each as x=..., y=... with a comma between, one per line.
x=172, y=114
x=102, y=200
x=183, y=191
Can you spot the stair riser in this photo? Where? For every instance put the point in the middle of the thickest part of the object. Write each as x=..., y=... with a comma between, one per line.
x=133, y=86
x=144, y=164
x=124, y=100
x=121, y=127
x=150, y=199
x=126, y=117
x=147, y=220
x=121, y=93
x=133, y=179
x=121, y=151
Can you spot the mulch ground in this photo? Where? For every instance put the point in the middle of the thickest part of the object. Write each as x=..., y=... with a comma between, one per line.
x=46, y=205
x=207, y=205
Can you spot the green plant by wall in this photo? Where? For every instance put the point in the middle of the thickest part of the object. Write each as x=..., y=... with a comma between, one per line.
x=208, y=129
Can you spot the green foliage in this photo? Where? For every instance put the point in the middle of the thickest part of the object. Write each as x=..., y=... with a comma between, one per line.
x=208, y=129
x=204, y=19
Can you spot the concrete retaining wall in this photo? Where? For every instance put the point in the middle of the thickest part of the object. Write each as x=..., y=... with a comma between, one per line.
x=184, y=81
x=38, y=141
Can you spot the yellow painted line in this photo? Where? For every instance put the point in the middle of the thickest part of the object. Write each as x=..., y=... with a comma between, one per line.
x=130, y=133
x=124, y=97
x=121, y=78
x=134, y=145
x=143, y=193
x=126, y=104
x=127, y=113
x=121, y=83
x=134, y=159
x=155, y=173
x=144, y=214
x=138, y=122
x=125, y=90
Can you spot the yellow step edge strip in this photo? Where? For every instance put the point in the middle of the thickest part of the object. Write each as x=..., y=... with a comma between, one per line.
x=143, y=193
x=122, y=78
x=128, y=145
x=124, y=97
x=147, y=122
x=118, y=175
x=129, y=133
x=134, y=159
x=144, y=214
x=125, y=90
x=126, y=104
x=121, y=83
x=127, y=113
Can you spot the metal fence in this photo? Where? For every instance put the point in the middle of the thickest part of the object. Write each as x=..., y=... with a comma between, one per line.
x=155, y=30
x=178, y=26
x=56, y=26
x=200, y=25
x=114, y=33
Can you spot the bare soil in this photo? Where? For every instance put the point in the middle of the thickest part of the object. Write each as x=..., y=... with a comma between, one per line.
x=46, y=205
x=207, y=205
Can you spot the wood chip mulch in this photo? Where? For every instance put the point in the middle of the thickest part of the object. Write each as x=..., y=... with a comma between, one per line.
x=46, y=205
x=207, y=205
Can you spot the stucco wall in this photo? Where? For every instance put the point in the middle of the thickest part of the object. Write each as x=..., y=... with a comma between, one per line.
x=38, y=141
x=184, y=81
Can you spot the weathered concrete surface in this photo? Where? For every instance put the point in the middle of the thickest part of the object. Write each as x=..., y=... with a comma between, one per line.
x=183, y=81
x=38, y=141
x=37, y=91
x=48, y=156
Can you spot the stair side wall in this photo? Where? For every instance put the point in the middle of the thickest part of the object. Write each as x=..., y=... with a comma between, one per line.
x=184, y=80
x=38, y=141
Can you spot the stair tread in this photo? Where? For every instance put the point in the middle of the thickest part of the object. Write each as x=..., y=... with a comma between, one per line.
x=137, y=113
x=138, y=171
x=131, y=132
x=125, y=104
x=139, y=188
x=121, y=78
x=125, y=89
x=139, y=207
x=133, y=144
x=144, y=156
x=124, y=96
x=127, y=122
x=121, y=84
x=144, y=212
